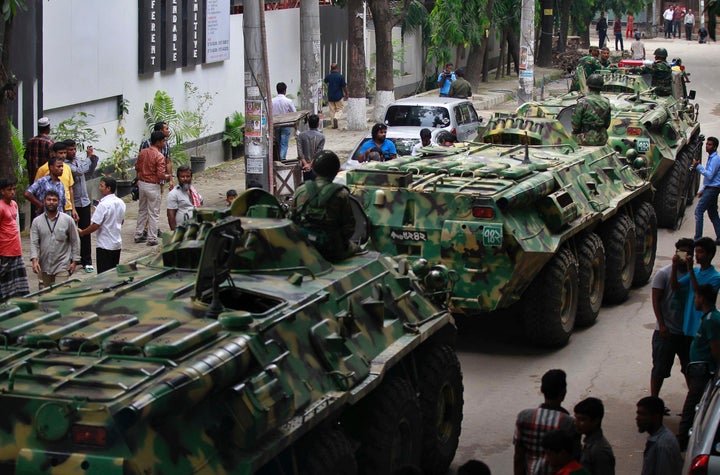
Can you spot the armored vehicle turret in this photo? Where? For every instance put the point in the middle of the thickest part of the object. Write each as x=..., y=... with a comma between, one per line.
x=528, y=217
x=662, y=133
x=237, y=349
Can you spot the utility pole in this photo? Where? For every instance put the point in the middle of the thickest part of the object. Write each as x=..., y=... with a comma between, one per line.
x=310, y=80
x=544, y=57
x=258, y=109
x=527, y=52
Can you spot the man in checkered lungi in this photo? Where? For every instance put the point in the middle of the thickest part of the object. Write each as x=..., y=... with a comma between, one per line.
x=13, y=277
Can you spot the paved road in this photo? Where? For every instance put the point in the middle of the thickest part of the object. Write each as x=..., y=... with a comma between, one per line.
x=610, y=360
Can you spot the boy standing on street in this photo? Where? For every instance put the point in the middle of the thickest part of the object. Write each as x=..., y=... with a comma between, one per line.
x=13, y=277
x=597, y=453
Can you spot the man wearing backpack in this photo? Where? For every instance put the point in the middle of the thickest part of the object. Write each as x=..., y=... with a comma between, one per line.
x=323, y=211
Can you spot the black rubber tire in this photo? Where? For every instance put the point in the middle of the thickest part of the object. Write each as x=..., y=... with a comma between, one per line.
x=441, y=402
x=618, y=237
x=327, y=452
x=591, y=273
x=669, y=196
x=388, y=425
x=645, y=243
x=551, y=301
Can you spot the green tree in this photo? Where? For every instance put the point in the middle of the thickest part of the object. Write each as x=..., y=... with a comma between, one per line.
x=385, y=16
x=8, y=86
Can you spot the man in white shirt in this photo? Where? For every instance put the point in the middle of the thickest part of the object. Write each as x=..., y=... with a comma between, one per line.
x=668, y=17
x=282, y=105
x=689, y=24
x=107, y=220
x=425, y=136
x=182, y=199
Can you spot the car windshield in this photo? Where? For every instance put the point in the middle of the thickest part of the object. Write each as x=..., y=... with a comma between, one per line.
x=417, y=116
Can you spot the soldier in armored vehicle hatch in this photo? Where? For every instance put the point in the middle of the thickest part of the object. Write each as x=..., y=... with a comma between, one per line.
x=322, y=210
x=591, y=117
x=589, y=64
x=661, y=73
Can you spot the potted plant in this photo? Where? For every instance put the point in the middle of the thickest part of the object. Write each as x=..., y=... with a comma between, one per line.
x=123, y=153
x=234, y=133
x=192, y=121
x=185, y=125
x=77, y=128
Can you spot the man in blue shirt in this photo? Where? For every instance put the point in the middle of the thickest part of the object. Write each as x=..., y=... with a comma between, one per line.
x=337, y=92
x=708, y=194
x=706, y=274
x=379, y=144
x=445, y=79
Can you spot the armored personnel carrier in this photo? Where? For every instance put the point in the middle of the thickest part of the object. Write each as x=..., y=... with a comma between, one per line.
x=237, y=349
x=529, y=217
x=661, y=132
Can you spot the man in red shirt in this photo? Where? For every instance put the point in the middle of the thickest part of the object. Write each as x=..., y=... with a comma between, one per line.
x=152, y=174
x=13, y=277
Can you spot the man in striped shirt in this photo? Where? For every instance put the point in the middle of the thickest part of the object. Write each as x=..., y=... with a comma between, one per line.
x=533, y=424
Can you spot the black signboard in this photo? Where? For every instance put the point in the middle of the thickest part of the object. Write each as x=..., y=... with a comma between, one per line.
x=149, y=36
x=195, y=32
x=172, y=33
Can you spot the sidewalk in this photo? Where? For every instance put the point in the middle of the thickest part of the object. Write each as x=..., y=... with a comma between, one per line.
x=214, y=182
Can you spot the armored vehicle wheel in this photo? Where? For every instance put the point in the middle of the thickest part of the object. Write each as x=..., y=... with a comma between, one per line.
x=619, y=240
x=388, y=426
x=551, y=302
x=441, y=401
x=645, y=243
x=669, y=196
x=329, y=452
x=591, y=272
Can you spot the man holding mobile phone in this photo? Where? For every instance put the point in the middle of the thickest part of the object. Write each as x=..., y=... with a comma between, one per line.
x=668, y=339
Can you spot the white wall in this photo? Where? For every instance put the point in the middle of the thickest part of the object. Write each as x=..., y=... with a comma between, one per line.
x=90, y=54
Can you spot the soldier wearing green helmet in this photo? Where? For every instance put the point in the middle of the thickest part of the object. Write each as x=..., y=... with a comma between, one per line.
x=591, y=117
x=322, y=209
x=661, y=73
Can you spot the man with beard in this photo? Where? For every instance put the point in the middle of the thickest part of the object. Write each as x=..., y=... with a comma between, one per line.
x=54, y=244
x=182, y=199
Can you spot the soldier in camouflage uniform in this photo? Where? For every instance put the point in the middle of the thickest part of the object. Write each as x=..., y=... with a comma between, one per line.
x=589, y=64
x=323, y=211
x=661, y=73
x=591, y=117
x=604, y=57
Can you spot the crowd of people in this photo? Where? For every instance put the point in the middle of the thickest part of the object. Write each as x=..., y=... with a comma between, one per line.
x=62, y=220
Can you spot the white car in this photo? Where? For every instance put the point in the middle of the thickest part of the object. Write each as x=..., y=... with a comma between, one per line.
x=405, y=119
x=703, y=451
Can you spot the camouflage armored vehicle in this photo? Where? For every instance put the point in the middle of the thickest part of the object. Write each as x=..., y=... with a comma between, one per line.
x=237, y=349
x=529, y=217
x=662, y=132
